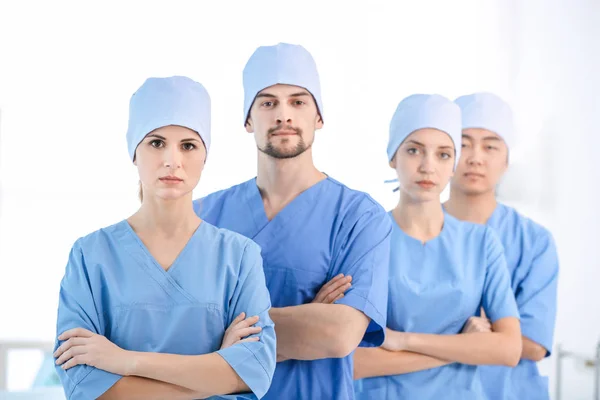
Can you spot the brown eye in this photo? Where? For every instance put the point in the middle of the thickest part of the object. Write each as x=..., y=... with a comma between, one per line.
x=157, y=143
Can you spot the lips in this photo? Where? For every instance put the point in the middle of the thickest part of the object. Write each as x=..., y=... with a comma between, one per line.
x=474, y=175
x=284, y=133
x=171, y=179
x=426, y=184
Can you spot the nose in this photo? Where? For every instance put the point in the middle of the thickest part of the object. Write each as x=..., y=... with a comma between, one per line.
x=172, y=158
x=284, y=115
x=474, y=156
x=427, y=165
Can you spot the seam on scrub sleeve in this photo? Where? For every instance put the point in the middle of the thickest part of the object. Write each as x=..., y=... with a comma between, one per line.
x=257, y=359
x=366, y=300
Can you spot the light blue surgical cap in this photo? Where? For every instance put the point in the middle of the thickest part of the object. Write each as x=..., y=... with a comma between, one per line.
x=283, y=63
x=488, y=111
x=159, y=102
x=421, y=111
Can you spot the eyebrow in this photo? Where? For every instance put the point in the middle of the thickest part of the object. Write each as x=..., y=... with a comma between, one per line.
x=422, y=145
x=465, y=136
x=154, y=135
x=272, y=96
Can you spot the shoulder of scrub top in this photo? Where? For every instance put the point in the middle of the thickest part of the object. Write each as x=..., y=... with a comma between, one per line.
x=204, y=204
x=354, y=201
x=536, y=234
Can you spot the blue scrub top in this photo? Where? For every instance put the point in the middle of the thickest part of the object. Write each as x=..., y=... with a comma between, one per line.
x=435, y=288
x=114, y=287
x=533, y=266
x=326, y=230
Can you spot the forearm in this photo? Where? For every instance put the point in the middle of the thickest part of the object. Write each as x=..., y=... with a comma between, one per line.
x=207, y=374
x=315, y=331
x=532, y=350
x=376, y=361
x=137, y=388
x=490, y=348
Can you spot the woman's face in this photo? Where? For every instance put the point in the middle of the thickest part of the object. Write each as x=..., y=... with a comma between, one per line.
x=170, y=161
x=424, y=164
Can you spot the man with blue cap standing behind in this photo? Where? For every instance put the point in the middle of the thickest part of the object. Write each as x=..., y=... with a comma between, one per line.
x=311, y=228
x=488, y=134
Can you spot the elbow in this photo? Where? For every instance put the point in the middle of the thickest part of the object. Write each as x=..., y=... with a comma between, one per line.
x=343, y=344
x=536, y=353
x=512, y=352
x=539, y=356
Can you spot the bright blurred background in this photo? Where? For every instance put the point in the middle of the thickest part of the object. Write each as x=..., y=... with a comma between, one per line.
x=68, y=68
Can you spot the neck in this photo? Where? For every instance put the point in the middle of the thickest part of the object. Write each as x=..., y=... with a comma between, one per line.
x=421, y=220
x=477, y=208
x=168, y=217
x=281, y=180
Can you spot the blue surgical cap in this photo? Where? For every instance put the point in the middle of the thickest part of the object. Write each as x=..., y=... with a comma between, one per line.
x=283, y=63
x=488, y=111
x=168, y=101
x=421, y=111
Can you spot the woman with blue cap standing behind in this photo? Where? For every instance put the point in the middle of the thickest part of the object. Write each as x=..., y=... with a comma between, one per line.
x=144, y=304
x=442, y=271
x=488, y=134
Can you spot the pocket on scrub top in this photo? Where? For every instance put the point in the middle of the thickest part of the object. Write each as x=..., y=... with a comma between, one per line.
x=179, y=329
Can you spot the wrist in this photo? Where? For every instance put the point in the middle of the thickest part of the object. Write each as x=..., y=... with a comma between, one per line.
x=135, y=360
x=408, y=340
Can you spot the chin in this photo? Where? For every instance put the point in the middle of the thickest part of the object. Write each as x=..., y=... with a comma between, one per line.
x=473, y=190
x=425, y=197
x=171, y=194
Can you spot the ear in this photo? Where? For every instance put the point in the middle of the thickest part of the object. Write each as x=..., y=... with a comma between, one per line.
x=318, y=122
x=248, y=126
x=392, y=163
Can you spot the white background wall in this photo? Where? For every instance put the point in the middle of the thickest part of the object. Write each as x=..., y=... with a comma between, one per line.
x=67, y=71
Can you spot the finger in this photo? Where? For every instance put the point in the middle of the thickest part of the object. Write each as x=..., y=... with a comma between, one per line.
x=339, y=297
x=332, y=281
x=250, y=339
x=333, y=295
x=238, y=319
x=73, y=362
x=340, y=283
x=242, y=333
x=74, y=341
x=331, y=286
x=72, y=352
x=81, y=332
x=246, y=323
